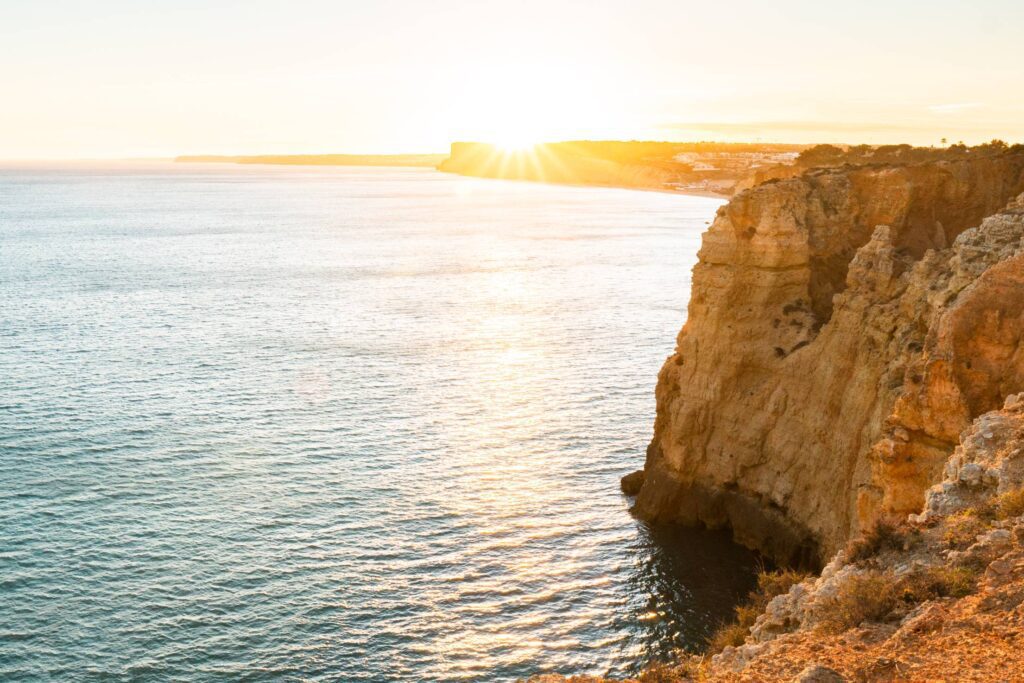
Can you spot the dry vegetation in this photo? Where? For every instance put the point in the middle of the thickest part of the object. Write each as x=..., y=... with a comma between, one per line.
x=961, y=529
x=1010, y=504
x=769, y=585
x=883, y=536
x=864, y=597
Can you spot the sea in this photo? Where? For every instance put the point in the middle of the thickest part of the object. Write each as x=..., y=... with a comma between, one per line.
x=273, y=423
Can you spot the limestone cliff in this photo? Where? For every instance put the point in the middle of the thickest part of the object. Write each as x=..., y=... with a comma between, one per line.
x=844, y=327
x=940, y=597
x=937, y=597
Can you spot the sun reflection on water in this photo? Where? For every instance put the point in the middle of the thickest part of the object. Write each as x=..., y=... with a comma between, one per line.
x=376, y=433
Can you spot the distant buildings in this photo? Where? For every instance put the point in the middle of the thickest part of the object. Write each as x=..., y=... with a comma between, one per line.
x=734, y=161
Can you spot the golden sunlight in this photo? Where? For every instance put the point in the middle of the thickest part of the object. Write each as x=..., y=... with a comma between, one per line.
x=515, y=143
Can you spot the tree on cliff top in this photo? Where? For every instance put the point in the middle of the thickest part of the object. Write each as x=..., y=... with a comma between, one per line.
x=821, y=155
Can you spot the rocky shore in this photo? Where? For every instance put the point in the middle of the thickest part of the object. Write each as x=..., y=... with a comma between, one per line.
x=846, y=396
x=938, y=596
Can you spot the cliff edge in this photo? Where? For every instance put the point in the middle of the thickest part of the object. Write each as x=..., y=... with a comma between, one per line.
x=847, y=392
x=844, y=327
x=936, y=597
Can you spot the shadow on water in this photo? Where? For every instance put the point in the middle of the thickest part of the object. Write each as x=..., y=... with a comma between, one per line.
x=685, y=582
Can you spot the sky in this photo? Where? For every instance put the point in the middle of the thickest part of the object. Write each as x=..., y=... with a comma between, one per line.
x=113, y=78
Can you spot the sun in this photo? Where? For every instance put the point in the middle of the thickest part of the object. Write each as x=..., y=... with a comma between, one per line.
x=517, y=142
x=517, y=128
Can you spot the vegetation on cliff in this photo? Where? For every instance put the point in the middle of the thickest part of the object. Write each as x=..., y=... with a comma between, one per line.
x=938, y=596
x=820, y=156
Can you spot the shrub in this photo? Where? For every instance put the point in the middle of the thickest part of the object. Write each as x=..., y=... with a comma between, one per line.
x=882, y=536
x=1010, y=504
x=772, y=584
x=869, y=596
x=728, y=635
x=962, y=528
x=937, y=582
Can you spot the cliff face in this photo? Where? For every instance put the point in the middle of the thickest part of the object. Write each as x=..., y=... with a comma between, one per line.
x=949, y=603
x=844, y=327
x=939, y=596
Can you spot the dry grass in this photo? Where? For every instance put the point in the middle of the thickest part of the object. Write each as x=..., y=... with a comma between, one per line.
x=1005, y=506
x=687, y=669
x=863, y=597
x=728, y=635
x=1010, y=504
x=937, y=582
x=769, y=585
x=873, y=595
x=962, y=528
x=882, y=536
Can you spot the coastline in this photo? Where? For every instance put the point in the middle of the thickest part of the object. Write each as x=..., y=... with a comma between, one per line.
x=615, y=186
x=384, y=164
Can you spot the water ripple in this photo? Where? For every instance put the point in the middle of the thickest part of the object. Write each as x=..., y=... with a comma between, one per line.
x=337, y=424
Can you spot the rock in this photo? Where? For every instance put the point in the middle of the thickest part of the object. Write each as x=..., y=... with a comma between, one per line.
x=735, y=659
x=987, y=548
x=882, y=669
x=999, y=567
x=971, y=473
x=1000, y=538
x=783, y=613
x=1000, y=464
x=925, y=619
x=632, y=482
x=882, y=395
x=816, y=673
x=835, y=349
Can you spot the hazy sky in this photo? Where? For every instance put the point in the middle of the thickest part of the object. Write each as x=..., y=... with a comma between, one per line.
x=136, y=78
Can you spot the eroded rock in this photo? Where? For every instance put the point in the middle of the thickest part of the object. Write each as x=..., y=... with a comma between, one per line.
x=844, y=327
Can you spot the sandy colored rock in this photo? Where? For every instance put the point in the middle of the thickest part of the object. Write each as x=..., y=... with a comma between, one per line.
x=854, y=354
x=844, y=327
x=817, y=673
x=632, y=483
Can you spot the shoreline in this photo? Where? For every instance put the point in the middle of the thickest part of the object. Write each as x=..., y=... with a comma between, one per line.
x=640, y=188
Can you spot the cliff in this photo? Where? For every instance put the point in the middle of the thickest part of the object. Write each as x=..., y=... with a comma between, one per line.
x=844, y=327
x=694, y=167
x=649, y=165
x=847, y=387
x=938, y=597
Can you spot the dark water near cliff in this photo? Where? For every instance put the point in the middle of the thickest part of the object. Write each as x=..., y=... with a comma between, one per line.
x=337, y=424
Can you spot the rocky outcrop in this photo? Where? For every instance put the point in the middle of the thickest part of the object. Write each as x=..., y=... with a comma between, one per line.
x=971, y=529
x=774, y=172
x=844, y=327
x=937, y=597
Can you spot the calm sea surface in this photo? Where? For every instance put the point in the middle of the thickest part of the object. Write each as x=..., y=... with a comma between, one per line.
x=271, y=423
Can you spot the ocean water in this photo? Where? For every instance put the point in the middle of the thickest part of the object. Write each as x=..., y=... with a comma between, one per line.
x=272, y=423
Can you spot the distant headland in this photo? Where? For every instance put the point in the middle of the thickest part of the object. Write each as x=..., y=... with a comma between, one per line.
x=720, y=169
x=690, y=167
x=714, y=168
